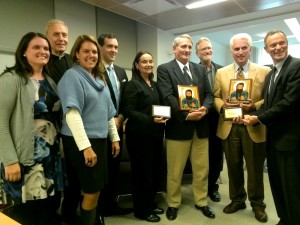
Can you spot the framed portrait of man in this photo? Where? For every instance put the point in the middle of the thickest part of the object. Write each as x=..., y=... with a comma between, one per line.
x=240, y=90
x=188, y=97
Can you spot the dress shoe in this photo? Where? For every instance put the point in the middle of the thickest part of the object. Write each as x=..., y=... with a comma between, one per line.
x=261, y=215
x=150, y=218
x=208, y=212
x=233, y=207
x=158, y=211
x=99, y=220
x=117, y=211
x=215, y=196
x=171, y=213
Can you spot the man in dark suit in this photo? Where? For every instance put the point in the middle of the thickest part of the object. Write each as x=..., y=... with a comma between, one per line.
x=107, y=204
x=57, y=34
x=204, y=51
x=187, y=131
x=280, y=114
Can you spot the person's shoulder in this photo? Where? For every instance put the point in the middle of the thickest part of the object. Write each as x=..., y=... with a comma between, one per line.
x=217, y=66
x=11, y=76
x=167, y=64
x=225, y=68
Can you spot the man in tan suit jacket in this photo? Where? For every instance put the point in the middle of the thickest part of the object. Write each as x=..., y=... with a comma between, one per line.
x=241, y=142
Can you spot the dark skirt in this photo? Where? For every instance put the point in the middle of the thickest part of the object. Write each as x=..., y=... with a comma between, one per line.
x=91, y=179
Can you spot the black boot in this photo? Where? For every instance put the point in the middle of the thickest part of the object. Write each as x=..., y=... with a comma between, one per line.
x=88, y=217
x=99, y=219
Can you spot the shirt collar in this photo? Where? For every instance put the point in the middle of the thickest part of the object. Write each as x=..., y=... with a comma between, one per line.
x=182, y=65
x=245, y=67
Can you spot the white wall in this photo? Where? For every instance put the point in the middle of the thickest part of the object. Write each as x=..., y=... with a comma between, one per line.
x=82, y=18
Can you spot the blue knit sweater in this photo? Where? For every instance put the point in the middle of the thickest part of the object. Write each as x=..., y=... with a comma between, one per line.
x=90, y=97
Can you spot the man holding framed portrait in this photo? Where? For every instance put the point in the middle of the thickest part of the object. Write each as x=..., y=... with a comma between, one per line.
x=239, y=141
x=188, y=130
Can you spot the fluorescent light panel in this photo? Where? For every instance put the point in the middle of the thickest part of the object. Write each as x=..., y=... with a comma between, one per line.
x=203, y=3
x=294, y=26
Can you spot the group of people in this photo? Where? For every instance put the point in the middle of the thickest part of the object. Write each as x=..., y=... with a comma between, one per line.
x=83, y=99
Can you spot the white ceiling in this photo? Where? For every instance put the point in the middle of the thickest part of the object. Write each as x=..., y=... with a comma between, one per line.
x=218, y=22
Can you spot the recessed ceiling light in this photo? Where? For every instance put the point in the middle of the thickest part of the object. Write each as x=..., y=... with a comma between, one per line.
x=294, y=26
x=203, y=3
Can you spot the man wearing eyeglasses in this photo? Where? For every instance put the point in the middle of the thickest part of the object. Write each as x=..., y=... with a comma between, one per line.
x=204, y=52
x=242, y=144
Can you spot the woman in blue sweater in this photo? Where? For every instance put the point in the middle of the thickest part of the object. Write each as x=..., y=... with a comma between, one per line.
x=88, y=119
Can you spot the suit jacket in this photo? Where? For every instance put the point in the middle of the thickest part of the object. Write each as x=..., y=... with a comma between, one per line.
x=221, y=92
x=122, y=79
x=169, y=75
x=58, y=66
x=137, y=104
x=280, y=111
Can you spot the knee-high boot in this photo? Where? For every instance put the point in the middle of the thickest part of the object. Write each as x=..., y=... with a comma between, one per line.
x=88, y=217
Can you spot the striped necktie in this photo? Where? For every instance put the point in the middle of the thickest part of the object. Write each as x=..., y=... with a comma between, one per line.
x=240, y=74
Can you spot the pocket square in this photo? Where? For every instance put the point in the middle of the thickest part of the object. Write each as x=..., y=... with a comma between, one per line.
x=123, y=80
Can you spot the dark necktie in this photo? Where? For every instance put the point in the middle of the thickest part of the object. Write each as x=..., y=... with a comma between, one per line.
x=272, y=81
x=186, y=75
x=113, y=83
x=240, y=74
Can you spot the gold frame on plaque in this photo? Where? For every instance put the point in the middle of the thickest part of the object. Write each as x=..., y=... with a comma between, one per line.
x=188, y=104
x=245, y=95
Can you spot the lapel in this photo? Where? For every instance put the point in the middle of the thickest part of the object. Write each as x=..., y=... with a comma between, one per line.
x=279, y=76
x=252, y=73
x=178, y=73
x=194, y=73
x=230, y=73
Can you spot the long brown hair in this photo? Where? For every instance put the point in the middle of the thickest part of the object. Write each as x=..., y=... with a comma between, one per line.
x=99, y=69
x=22, y=67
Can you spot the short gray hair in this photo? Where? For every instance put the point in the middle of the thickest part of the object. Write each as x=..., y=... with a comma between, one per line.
x=241, y=36
x=201, y=40
x=182, y=36
x=54, y=21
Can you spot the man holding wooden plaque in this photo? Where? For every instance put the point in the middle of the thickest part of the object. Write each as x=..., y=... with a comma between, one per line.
x=239, y=141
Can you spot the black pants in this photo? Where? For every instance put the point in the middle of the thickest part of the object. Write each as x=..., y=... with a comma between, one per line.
x=107, y=200
x=35, y=212
x=215, y=153
x=146, y=161
x=284, y=176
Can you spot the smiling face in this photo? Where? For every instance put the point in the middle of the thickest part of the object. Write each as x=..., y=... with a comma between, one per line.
x=204, y=51
x=87, y=56
x=57, y=35
x=183, y=50
x=240, y=51
x=145, y=65
x=109, y=50
x=277, y=46
x=37, y=52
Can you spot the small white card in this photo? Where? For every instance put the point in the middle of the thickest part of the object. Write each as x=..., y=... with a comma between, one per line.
x=161, y=111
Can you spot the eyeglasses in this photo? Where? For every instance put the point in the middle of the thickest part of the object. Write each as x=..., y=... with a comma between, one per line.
x=204, y=49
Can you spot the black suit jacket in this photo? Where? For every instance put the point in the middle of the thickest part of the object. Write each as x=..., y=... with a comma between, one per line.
x=58, y=66
x=169, y=75
x=122, y=79
x=280, y=112
x=137, y=104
